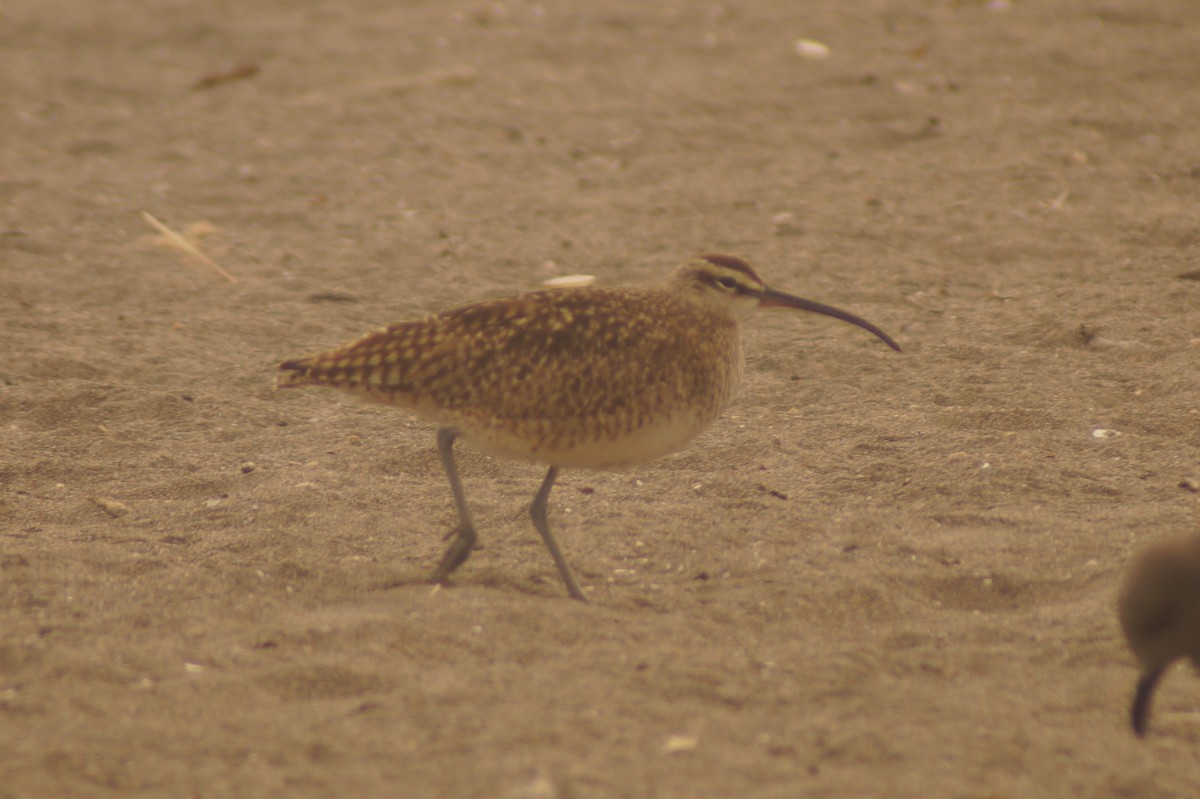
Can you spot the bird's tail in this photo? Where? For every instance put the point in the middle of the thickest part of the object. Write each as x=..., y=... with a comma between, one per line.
x=295, y=373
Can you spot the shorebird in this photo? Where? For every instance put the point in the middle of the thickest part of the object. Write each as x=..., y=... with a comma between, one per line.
x=593, y=378
x=1159, y=609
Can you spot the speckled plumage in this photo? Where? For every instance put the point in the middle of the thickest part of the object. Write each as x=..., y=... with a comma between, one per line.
x=586, y=377
x=573, y=377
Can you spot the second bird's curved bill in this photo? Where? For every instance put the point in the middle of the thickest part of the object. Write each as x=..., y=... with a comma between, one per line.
x=1139, y=713
x=777, y=299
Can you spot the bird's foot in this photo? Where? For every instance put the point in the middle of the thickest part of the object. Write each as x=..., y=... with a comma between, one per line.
x=456, y=554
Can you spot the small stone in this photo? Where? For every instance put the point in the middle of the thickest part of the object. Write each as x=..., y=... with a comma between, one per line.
x=570, y=281
x=112, y=507
x=334, y=295
x=813, y=50
x=679, y=743
x=785, y=224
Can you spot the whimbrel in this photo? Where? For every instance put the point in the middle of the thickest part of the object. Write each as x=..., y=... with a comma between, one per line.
x=1159, y=609
x=572, y=378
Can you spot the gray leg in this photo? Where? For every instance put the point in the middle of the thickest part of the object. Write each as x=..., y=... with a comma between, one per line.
x=464, y=535
x=538, y=511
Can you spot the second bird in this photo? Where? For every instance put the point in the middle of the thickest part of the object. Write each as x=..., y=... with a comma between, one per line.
x=572, y=378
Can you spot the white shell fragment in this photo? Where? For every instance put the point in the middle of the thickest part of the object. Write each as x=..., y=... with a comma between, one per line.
x=1101, y=433
x=679, y=743
x=813, y=50
x=570, y=281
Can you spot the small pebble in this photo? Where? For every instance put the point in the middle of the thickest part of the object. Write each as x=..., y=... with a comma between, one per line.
x=813, y=50
x=679, y=743
x=112, y=507
x=570, y=281
x=785, y=224
x=334, y=295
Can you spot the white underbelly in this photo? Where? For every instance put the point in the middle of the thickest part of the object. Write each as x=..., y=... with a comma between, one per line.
x=640, y=445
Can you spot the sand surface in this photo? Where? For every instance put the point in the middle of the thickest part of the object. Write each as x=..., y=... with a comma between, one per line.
x=877, y=575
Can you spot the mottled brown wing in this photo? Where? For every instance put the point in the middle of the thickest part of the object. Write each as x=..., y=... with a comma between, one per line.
x=553, y=355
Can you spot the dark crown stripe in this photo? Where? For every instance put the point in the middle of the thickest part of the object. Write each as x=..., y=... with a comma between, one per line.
x=730, y=262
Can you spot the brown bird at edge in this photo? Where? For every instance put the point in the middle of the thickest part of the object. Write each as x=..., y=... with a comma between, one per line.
x=1159, y=610
x=594, y=378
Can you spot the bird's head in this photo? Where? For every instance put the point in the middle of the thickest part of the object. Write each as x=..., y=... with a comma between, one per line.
x=729, y=283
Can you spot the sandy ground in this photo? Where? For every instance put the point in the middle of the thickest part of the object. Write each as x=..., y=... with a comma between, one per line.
x=877, y=575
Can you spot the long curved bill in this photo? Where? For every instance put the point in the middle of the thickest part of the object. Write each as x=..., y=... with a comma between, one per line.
x=777, y=299
x=1140, y=711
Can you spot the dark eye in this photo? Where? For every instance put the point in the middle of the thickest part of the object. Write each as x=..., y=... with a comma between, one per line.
x=728, y=282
